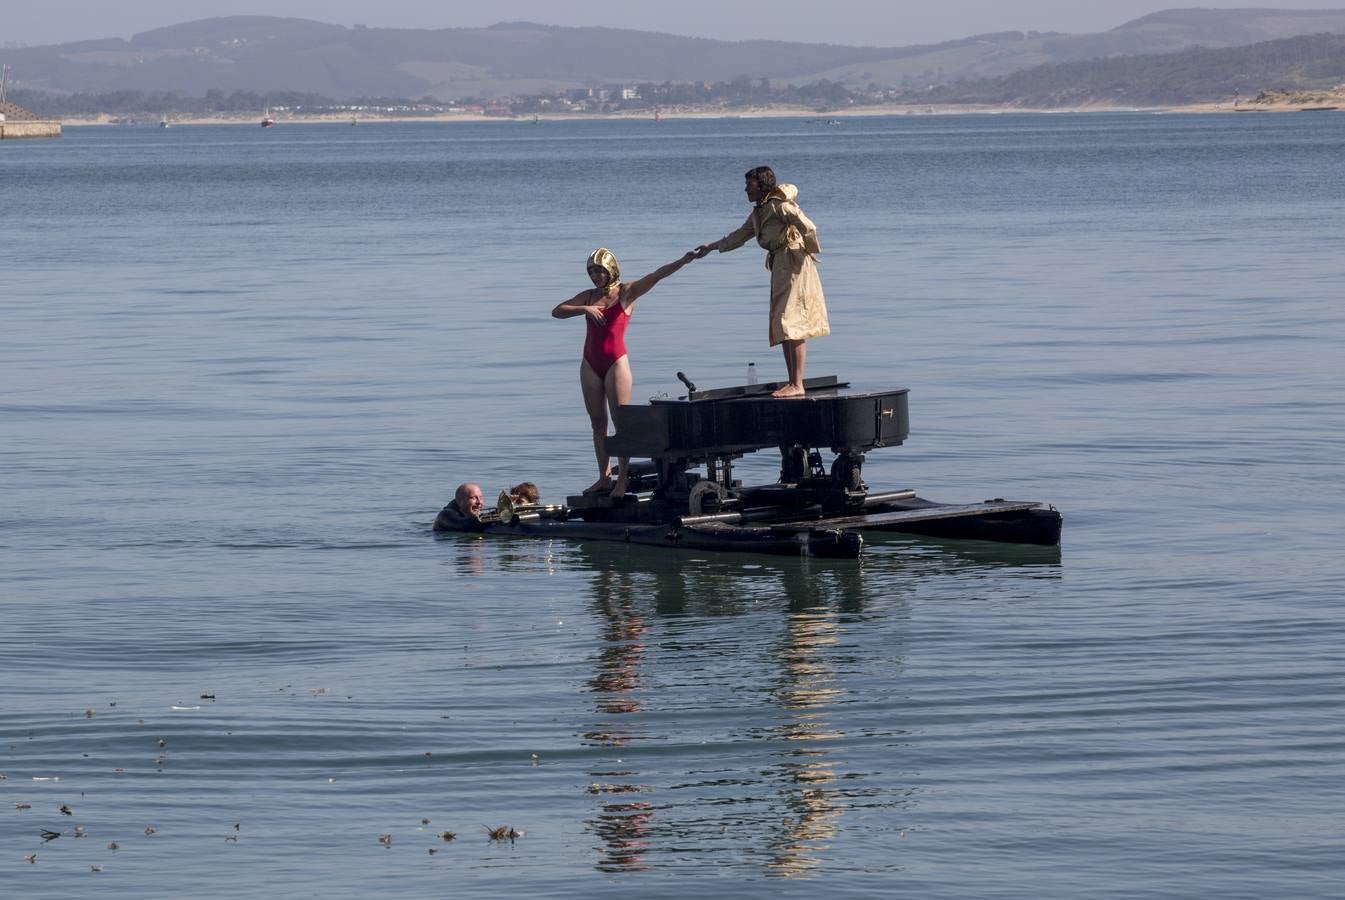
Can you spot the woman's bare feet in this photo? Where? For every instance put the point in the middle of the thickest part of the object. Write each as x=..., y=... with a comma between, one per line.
x=619, y=489
x=789, y=390
x=602, y=485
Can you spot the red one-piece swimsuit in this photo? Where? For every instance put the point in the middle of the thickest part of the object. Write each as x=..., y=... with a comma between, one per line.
x=606, y=343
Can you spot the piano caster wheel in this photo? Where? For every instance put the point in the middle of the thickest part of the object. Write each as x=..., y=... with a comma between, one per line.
x=707, y=498
x=845, y=473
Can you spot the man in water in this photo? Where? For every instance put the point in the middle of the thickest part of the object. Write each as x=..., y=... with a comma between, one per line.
x=798, y=308
x=463, y=512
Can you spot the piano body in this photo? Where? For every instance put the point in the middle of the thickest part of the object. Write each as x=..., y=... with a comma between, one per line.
x=713, y=428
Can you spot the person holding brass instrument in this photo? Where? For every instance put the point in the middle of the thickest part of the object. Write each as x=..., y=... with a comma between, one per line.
x=467, y=510
x=524, y=492
x=463, y=512
x=604, y=370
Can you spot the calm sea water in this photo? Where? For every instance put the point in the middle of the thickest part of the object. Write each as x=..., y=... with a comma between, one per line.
x=244, y=368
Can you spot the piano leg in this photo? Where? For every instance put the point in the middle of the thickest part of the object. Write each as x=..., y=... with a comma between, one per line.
x=793, y=463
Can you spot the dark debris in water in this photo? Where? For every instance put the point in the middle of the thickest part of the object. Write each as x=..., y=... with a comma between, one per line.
x=503, y=833
x=614, y=789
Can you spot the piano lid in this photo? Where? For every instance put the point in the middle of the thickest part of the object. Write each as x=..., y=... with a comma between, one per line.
x=814, y=387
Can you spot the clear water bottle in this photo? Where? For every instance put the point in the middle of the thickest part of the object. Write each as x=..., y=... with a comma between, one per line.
x=751, y=373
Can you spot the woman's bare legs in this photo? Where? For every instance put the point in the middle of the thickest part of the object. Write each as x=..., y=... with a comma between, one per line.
x=618, y=384
x=595, y=403
x=796, y=352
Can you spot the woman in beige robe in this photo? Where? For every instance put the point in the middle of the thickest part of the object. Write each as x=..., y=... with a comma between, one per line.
x=798, y=308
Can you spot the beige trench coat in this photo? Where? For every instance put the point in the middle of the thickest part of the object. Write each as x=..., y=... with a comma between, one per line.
x=798, y=309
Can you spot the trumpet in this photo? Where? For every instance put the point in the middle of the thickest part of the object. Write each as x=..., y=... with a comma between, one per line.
x=509, y=512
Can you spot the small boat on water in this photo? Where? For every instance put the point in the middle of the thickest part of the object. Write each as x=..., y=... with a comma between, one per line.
x=812, y=510
x=267, y=121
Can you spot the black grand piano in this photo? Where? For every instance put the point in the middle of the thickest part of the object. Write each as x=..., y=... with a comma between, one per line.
x=712, y=428
x=682, y=491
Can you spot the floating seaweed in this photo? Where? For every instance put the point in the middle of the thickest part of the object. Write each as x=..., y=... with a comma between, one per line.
x=503, y=833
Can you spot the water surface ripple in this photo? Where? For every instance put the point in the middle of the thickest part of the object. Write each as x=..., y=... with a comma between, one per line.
x=244, y=368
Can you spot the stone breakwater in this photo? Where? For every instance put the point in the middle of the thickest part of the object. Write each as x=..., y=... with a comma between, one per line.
x=17, y=122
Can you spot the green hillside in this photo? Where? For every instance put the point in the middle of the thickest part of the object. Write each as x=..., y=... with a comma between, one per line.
x=1191, y=76
x=265, y=54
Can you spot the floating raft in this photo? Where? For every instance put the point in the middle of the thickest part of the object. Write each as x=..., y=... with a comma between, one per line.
x=813, y=510
x=837, y=538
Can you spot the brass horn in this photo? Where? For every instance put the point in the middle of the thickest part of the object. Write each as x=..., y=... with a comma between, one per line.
x=506, y=510
x=503, y=511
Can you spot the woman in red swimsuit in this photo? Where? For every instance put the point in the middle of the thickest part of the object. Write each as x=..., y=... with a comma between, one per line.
x=604, y=372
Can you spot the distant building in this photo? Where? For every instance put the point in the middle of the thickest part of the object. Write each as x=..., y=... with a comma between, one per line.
x=17, y=122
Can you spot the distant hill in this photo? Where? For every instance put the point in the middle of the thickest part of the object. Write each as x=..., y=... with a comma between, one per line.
x=993, y=56
x=261, y=53
x=1198, y=75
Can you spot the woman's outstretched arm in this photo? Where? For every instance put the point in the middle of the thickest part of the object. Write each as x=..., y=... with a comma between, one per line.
x=643, y=286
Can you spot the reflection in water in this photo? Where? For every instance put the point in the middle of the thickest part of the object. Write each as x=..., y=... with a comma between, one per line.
x=625, y=832
x=618, y=675
x=662, y=615
x=805, y=691
x=623, y=825
x=479, y=555
x=470, y=559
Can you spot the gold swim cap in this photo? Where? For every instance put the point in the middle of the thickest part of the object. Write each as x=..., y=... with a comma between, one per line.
x=604, y=259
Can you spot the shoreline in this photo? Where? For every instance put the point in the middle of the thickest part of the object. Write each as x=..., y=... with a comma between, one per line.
x=1318, y=101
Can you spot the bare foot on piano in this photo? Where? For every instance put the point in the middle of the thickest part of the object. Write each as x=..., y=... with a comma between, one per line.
x=600, y=486
x=789, y=390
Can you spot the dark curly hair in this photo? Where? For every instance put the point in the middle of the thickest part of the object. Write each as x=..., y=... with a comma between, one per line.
x=764, y=175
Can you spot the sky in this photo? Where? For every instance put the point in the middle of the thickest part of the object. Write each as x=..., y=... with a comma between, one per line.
x=890, y=23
